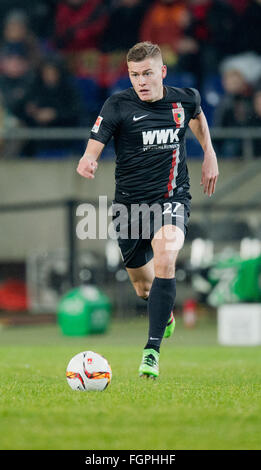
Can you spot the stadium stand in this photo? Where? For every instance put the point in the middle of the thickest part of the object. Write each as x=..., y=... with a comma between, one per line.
x=83, y=36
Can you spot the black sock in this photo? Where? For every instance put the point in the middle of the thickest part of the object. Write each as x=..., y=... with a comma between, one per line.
x=160, y=304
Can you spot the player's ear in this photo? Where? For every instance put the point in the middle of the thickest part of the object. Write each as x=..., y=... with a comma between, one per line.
x=164, y=71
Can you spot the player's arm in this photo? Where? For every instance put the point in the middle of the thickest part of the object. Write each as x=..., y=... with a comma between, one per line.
x=104, y=128
x=88, y=163
x=209, y=174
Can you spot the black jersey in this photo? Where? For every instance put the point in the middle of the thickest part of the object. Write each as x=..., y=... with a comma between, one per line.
x=149, y=140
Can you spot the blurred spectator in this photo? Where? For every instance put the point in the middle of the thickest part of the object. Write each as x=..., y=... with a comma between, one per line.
x=40, y=13
x=8, y=148
x=166, y=23
x=79, y=24
x=122, y=31
x=16, y=32
x=53, y=101
x=239, y=75
x=249, y=27
x=239, y=5
x=199, y=10
x=255, y=120
x=248, y=64
x=15, y=81
x=213, y=26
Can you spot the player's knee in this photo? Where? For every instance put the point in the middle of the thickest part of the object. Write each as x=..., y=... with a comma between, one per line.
x=142, y=289
x=164, y=265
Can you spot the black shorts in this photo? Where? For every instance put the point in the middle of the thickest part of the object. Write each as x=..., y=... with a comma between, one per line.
x=136, y=224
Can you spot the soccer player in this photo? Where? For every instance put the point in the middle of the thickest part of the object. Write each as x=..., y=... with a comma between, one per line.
x=148, y=123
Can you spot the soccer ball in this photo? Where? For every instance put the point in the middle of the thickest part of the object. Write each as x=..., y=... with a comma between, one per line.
x=88, y=371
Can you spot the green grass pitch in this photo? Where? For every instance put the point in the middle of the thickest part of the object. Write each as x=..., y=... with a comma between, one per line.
x=207, y=396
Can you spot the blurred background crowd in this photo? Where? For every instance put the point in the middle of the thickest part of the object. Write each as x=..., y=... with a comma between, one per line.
x=60, y=59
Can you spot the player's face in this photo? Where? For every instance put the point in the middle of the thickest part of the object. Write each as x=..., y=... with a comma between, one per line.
x=147, y=78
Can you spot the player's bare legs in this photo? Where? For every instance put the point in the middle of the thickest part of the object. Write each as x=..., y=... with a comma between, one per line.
x=142, y=279
x=166, y=245
x=163, y=265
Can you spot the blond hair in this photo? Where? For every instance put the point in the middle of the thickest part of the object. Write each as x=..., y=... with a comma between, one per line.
x=142, y=51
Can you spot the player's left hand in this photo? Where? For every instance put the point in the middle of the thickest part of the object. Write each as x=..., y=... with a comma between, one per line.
x=209, y=174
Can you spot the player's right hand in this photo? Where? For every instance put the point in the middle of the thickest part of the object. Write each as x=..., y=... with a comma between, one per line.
x=87, y=168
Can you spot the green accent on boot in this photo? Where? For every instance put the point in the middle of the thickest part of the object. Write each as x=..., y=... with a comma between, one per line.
x=150, y=363
x=169, y=330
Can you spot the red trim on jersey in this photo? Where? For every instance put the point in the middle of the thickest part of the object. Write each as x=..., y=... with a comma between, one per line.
x=173, y=163
x=171, y=173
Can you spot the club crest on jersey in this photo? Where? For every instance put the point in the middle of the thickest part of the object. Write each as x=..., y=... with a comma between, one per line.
x=178, y=116
x=97, y=124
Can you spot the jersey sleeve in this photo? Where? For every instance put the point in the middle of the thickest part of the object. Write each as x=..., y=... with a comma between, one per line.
x=196, y=102
x=107, y=122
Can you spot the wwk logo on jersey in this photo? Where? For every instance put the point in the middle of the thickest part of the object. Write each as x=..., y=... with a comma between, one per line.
x=161, y=136
x=97, y=124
